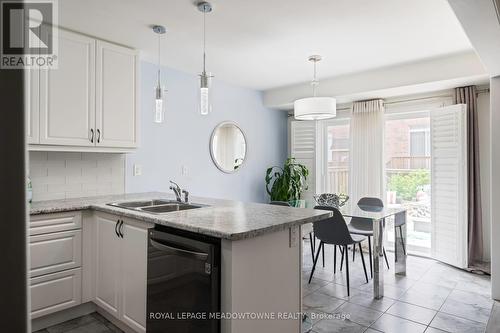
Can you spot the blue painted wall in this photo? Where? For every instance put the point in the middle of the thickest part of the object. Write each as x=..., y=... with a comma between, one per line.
x=183, y=139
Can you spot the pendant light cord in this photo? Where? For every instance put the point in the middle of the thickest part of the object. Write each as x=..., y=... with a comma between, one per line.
x=314, y=82
x=159, y=60
x=204, y=40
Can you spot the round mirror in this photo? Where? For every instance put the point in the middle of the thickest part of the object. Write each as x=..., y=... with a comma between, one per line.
x=228, y=147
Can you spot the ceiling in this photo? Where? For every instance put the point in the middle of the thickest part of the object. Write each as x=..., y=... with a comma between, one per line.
x=263, y=44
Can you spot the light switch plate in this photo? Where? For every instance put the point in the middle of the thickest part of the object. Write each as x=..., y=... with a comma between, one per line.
x=137, y=170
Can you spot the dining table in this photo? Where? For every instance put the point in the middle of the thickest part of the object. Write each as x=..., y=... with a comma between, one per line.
x=381, y=217
x=394, y=216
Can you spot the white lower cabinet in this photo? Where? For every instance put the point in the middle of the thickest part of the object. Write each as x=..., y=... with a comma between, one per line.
x=121, y=268
x=55, y=245
x=55, y=252
x=55, y=292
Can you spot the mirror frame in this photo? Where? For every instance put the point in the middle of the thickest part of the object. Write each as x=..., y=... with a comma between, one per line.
x=214, y=160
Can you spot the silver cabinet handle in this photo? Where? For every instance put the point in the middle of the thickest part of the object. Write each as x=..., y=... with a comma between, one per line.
x=179, y=252
x=116, y=228
x=98, y=135
x=92, y=135
x=120, y=229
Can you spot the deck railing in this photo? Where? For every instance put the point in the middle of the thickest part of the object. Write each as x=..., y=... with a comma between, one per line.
x=409, y=162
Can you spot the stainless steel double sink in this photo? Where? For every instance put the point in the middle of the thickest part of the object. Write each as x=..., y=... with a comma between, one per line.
x=155, y=206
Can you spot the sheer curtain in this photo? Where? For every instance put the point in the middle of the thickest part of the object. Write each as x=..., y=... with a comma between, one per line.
x=367, y=150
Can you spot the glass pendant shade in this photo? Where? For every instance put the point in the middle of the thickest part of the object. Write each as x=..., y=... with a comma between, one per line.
x=159, y=107
x=315, y=108
x=205, y=100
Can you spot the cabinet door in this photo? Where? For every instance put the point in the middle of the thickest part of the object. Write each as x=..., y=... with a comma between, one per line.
x=54, y=292
x=107, y=264
x=67, y=94
x=55, y=252
x=31, y=104
x=116, y=96
x=134, y=251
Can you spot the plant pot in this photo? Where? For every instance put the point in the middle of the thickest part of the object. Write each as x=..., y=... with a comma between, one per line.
x=297, y=203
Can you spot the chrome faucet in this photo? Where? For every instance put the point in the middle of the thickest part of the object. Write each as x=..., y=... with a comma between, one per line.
x=178, y=191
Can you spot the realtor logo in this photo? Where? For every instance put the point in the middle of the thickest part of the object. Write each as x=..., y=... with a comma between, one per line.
x=28, y=34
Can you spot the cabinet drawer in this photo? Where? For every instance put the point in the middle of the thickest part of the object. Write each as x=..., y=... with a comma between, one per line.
x=55, y=252
x=55, y=292
x=46, y=223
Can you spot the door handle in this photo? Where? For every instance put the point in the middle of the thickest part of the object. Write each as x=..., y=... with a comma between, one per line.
x=120, y=228
x=180, y=252
x=92, y=135
x=116, y=226
x=98, y=135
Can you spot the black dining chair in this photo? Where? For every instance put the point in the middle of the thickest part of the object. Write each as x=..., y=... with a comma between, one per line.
x=364, y=227
x=307, y=232
x=334, y=231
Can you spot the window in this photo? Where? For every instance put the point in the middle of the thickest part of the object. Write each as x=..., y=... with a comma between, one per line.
x=338, y=156
x=420, y=140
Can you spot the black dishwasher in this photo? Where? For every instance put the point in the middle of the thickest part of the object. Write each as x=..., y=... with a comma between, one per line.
x=183, y=291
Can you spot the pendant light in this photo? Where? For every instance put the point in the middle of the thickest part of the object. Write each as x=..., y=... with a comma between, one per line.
x=159, y=107
x=205, y=100
x=315, y=108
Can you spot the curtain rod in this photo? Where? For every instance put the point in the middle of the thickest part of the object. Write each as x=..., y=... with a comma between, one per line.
x=480, y=91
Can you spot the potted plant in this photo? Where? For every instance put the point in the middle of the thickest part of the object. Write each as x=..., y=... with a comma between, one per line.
x=287, y=183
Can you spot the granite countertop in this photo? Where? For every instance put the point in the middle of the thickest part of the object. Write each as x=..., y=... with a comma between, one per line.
x=232, y=220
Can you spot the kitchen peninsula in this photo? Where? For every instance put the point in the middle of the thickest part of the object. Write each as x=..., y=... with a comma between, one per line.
x=87, y=238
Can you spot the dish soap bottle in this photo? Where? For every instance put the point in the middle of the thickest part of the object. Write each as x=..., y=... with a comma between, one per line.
x=29, y=193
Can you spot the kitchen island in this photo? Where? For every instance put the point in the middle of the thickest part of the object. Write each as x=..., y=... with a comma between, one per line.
x=260, y=249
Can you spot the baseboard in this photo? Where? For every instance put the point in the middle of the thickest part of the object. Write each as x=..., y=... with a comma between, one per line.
x=62, y=316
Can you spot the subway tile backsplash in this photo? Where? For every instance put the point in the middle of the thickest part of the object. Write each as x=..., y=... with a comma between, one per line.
x=61, y=175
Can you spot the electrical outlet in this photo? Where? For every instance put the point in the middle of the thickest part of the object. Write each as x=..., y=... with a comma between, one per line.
x=137, y=170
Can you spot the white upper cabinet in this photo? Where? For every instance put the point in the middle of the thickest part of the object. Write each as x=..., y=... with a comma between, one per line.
x=89, y=102
x=67, y=94
x=116, y=96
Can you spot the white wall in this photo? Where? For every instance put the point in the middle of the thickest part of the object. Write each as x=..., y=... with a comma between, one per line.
x=495, y=187
x=62, y=175
x=182, y=141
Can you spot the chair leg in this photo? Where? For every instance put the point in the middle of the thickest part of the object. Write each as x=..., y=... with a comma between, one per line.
x=342, y=258
x=353, y=252
x=312, y=246
x=370, y=255
x=386, y=261
x=363, y=260
x=314, y=263
x=402, y=240
x=347, y=270
x=323, y=253
x=334, y=259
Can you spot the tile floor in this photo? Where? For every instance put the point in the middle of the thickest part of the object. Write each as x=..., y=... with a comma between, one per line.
x=432, y=297
x=92, y=323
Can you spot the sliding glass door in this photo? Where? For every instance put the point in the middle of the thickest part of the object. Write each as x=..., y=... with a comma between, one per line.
x=408, y=174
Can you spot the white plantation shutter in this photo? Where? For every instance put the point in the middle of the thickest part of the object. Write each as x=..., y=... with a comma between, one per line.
x=305, y=147
x=449, y=185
